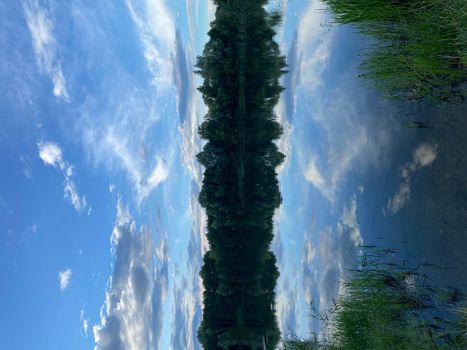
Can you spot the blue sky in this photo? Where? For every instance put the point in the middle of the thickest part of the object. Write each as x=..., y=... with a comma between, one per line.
x=101, y=235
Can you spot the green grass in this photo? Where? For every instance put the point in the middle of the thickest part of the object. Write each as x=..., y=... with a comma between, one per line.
x=386, y=306
x=419, y=49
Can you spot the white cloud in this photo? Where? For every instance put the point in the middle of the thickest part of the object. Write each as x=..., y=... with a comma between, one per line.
x=190, y=109
x=349, y=215
x=287, y=309
x=309, y=274
x=188, y=290
x=71, y=194
x=313, y=175
x=349, y=224
x=402, y=195
x=314, y=45
x=211, y=10
x=286, y=106
x=85, y=326
x=41, y=27
x=284, y=143
x=85, y=323
x=423, y=156
x=143, y=181
x=25, y=161
x=156, y=33
x=325, y=265
x=131, y=318
x=64, y=278
x=350, y=146
x=120, y=145
x=158, y=175
x=186, y=315
x=59, y=85
x=191, y=145
x=348, y=136
x=51, y=154
x=119, y=132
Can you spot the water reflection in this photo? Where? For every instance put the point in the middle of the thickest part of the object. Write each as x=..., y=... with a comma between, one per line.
x=359, y=171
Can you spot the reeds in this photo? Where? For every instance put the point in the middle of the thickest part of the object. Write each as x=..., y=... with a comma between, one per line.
x=419, y=49
x=387, y=306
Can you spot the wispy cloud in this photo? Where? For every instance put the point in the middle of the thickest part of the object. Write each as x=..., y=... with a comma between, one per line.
x=423, y=156
x=353, y=139
x=144, y=180
x=190, y=107
x=286, y=106
x=41, y=26
x=287, y=307
x=85, y=323
x=158, y=174
x=400, y=197
x=186, y=318
x=291, y=79
x=25, y=161
x=313, y=175
x=156, y=32
x=308, y=57
x=192, y=17
x=122, y=144
x=284, y=143
x=309, y=270
x=324, y=263
x=350, y=145
x=183, y=79
x=51, y=154
x=187, y=292
x=131, y=318
x=191, y=145
x=121, y=123
x=313, y=47
x=346, y=136
x=64, y=278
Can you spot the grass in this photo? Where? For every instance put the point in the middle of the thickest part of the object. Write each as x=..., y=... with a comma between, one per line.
x=419, y=49
x=386, y=306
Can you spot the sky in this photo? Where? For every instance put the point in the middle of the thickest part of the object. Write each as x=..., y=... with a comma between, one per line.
x=101, y=234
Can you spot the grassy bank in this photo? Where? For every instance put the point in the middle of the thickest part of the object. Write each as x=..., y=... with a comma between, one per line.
x=387, y=306
x=419, y=49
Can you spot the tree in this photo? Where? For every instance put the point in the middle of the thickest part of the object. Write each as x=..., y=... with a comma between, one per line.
x=240, y=66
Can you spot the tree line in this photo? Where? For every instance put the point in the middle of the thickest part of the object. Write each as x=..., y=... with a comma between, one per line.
x=241, y=65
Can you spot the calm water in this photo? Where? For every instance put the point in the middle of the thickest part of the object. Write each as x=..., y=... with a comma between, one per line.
x=351, y=151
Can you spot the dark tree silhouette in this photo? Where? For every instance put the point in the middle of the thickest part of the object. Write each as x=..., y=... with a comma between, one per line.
x=240, y=66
